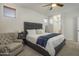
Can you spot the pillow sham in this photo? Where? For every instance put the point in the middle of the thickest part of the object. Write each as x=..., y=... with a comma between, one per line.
x=31, y=31
x=40, y=31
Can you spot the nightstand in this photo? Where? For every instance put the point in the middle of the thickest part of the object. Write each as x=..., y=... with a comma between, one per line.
x=22, y=36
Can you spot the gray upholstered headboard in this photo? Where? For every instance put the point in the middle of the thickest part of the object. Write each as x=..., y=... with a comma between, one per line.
x=30, y=25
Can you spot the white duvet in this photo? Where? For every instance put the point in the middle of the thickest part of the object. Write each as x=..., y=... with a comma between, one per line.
x=51, y=44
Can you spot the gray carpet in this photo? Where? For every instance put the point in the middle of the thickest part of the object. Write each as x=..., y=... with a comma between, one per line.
x=70, y=49
x=29, y=52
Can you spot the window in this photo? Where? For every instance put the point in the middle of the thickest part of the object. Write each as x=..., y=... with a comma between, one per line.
x=51, y=21
x=57, y=24
x=45, y=20
x=8, y=11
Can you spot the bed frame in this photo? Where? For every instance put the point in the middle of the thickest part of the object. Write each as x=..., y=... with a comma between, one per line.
x=30, y=25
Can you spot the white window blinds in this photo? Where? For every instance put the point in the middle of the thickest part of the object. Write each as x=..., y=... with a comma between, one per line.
x=10, y=12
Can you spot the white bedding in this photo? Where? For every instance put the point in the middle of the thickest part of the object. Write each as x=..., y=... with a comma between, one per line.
x=51, y=44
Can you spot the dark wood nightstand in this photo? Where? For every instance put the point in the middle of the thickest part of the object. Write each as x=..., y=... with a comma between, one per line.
x=22, y=36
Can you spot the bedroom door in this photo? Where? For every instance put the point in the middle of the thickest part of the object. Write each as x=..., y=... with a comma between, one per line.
x=77, y=29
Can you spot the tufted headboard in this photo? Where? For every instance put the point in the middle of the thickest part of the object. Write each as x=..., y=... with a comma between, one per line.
x=30, y=25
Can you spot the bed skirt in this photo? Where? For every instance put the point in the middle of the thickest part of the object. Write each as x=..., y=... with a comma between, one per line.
x=42, y=51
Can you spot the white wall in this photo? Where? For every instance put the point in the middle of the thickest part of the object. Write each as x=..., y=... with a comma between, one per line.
x=69, y=26
x=8, y=24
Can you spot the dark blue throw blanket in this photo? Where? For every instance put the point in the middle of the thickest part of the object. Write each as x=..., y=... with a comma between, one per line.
x=42, y=40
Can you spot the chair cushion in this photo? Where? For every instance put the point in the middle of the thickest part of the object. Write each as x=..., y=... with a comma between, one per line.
x=13, y=46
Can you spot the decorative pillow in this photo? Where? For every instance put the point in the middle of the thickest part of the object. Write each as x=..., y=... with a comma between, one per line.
x=30, y=32
x=40, y=31
x=13, y=35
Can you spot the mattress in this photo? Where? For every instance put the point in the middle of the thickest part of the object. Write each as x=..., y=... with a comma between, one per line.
x=51, y=44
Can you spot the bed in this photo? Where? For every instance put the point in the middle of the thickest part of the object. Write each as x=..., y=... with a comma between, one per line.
x=53, y=46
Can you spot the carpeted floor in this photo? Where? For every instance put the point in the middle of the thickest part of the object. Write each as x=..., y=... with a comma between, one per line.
x=70, y=49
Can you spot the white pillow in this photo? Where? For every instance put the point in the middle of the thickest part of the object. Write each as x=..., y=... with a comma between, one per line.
x=30, y=32
x=40, y=31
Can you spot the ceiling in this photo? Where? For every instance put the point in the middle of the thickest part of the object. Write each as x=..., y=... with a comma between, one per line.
x=44, y=10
